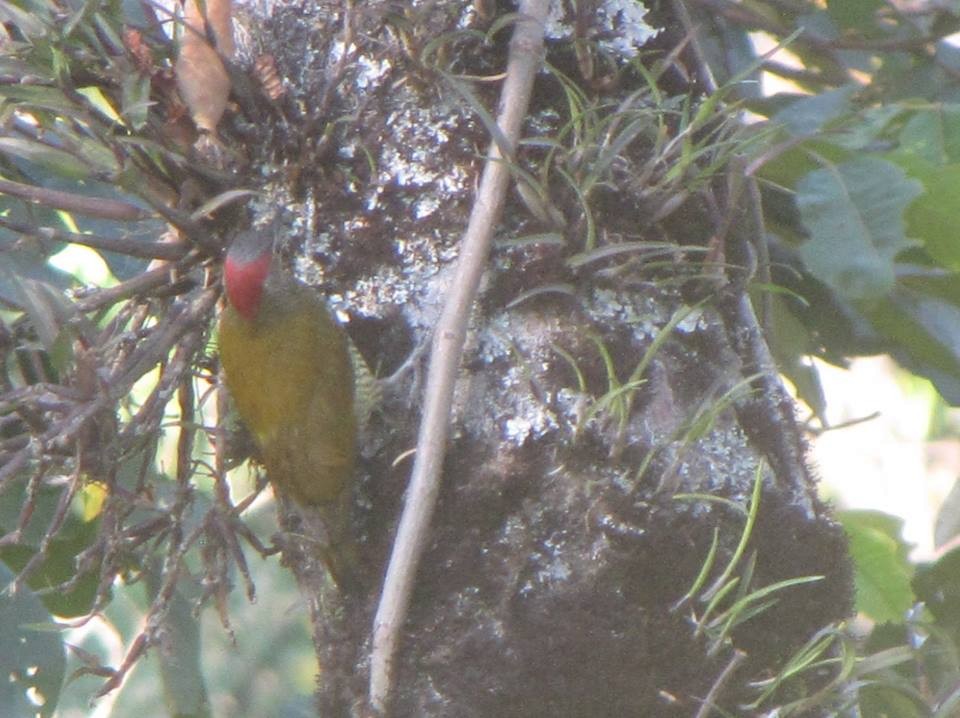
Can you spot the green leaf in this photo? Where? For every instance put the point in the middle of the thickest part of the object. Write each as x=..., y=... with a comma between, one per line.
x=23, y=261
x=908, y=76
x=933, y=134
x=809, y=114
x=19, y=68
x=938, y=585
x=854, y=214
x=727, y=49
x=57, y=161
x=31, y=23
x=39, y=97
x=101, y=103
x=854, y=14
x=882, y=570
x=32, y=662
x=796, y=161
x=791, y=343
x=881, y=700
x=871, y=126
x=59, y=566
x=50, y=312
x=136, y=99
x=925, y=334
x=930, y=281
x=80, y=17
x=934, y=216
x=181, y=665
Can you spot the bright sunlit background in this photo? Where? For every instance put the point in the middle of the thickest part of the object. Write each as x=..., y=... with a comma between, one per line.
x=904, y=461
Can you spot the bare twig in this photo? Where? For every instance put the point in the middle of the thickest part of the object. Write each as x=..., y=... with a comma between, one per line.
x=820, y=431
x=523, y=63
x=50, y=533
x=137, y=286
x=703, y=67
x=706, y=708
x=185, y=333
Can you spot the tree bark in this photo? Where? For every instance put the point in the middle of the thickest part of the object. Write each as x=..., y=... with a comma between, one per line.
x=615, y=376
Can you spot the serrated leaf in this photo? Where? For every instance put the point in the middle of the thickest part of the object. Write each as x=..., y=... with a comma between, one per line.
x=882, y=571
x=854, y=214
x=871, y=126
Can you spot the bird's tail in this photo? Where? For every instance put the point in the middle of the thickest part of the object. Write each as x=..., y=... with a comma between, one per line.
x=332, y=525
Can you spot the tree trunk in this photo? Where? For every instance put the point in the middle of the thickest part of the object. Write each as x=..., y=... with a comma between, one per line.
x=616, y=402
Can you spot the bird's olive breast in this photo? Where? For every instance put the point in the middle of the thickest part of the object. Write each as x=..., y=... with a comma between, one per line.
x=271, y=368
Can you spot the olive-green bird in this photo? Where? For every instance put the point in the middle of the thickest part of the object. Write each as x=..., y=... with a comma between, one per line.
x=288, y=367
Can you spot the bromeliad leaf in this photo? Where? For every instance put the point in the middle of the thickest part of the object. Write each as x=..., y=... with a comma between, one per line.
x=854, y=214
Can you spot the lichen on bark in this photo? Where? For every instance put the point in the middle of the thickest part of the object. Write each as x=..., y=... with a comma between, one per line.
x=560, y=548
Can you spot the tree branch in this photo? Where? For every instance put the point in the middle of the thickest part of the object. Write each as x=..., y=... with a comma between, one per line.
x=170, y=251
x=81, y=204
x=522, y=66
x=709, y=703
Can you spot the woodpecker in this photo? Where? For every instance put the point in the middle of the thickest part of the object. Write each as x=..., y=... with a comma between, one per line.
x=287, y=366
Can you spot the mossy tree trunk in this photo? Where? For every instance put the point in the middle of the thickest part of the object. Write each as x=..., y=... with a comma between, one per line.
x=616, y=402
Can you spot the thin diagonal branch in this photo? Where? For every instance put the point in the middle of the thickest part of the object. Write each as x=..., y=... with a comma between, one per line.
x=709, y=703
x=122, y=245
x=522, y=66
x=72, y=202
